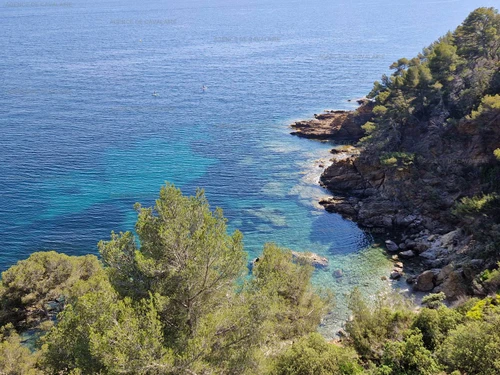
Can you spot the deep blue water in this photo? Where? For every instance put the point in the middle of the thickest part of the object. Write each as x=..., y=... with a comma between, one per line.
x=82, y=138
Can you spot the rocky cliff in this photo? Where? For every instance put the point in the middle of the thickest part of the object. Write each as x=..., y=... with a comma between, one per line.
x=413, y=201
x=427, y=166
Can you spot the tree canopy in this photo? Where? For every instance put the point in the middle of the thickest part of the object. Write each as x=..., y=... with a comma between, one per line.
x=175, y=299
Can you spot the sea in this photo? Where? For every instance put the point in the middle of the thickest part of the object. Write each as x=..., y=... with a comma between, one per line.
x=102, y=102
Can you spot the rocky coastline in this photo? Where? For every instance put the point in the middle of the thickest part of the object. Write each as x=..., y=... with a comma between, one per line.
x=430, y=251
x=342, y=126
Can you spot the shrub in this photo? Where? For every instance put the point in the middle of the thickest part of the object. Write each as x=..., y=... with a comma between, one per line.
x=434, y=300
x=397, y=158
x=371, y=328
x=488, y=104
x=379, y=110
x=435, y=324
x=312, y=355
x=497, y=153
x=369, y=127
x=409, y=357
x=473, y=348
x=474, y=205
x=383, y=96
x=484, y=307
x=491, y=278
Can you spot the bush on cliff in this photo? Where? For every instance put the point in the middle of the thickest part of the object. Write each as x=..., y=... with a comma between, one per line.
x=473, y=348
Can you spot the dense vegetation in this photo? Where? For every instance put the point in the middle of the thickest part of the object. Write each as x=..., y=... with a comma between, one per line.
x=436, y=123
x=178, y=298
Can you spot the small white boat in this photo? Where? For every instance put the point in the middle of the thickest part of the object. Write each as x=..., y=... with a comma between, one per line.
x=155, y=93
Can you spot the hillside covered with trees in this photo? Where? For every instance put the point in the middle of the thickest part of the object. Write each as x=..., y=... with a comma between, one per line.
x=428, y=167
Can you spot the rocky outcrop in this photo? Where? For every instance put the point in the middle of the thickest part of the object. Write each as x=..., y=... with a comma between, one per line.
x=343, y=126
x=411, y=197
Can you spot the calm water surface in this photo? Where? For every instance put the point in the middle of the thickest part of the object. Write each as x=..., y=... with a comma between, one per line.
x=82, y=138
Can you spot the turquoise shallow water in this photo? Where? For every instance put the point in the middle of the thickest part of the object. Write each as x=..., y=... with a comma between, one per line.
x=83, y=138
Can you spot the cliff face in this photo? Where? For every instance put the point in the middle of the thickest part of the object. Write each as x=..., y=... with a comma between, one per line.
x=427, y=167
x=415, y=199
x=451, y=164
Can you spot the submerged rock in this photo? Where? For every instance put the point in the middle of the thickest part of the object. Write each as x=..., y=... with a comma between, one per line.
x=311, y=258
x=338, y=273
x=396, y=274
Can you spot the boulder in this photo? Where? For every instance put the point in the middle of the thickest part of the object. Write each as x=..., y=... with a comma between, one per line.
x=420, y=247
x=338, y=273
x=386, y=221
x=396, y=274
x=444, y=273
x=410, y=279
x=410, y=245
x=435, y=263
x=391, y=246
x=424, y=282
x=404, y=220
x=407, y=254
x=450, y=239
x=430, y=254
x=342, y=333
x=454, y=286
x=477, y=263
x=478, y=289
